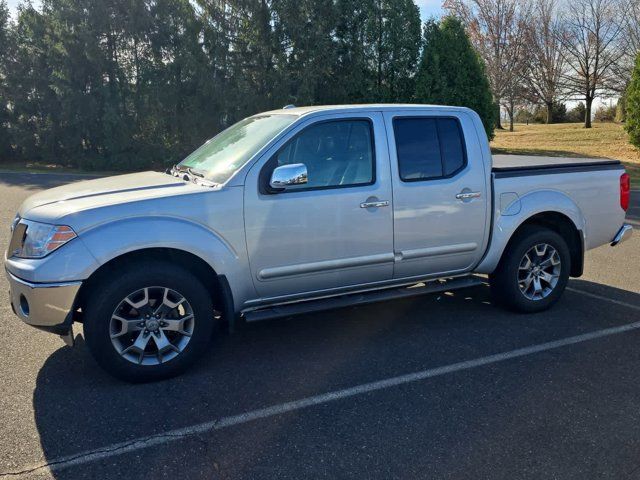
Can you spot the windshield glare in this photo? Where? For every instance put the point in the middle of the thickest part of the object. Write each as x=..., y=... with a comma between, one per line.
x=225, y=153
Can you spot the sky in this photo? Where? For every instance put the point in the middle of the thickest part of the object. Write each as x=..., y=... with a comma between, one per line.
x=428, y=8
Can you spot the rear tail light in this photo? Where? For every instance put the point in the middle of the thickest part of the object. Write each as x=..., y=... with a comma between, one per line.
x=625, y=191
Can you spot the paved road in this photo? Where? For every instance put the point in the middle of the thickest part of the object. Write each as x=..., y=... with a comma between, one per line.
x=543, y=410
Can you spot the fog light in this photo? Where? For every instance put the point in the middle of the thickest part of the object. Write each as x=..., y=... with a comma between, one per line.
x=24, y=305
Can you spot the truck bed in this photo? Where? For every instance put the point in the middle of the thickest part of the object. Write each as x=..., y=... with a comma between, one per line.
x=522, y=165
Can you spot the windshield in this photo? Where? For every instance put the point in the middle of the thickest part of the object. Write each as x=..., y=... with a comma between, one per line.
x=225, y=153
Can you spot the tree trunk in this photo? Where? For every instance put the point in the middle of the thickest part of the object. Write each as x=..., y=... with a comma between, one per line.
x=587, y=113
x=498, y=120
x=512, y=108
x=549, y=112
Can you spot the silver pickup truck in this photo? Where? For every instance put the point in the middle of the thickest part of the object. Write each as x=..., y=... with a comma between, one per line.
x=299, y=210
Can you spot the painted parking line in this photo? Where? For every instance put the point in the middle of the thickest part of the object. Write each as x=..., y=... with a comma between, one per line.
x=283, y=408
x=602, y=297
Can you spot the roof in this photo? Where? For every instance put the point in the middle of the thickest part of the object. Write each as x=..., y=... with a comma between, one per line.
x=362, y=107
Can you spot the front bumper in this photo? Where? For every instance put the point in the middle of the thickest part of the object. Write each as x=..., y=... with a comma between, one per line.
x=624, y=234
x=47, y=306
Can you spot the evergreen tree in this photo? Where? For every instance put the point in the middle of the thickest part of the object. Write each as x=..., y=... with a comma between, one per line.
x=577, y=113
x=132, y=84
x=451, y=73
x=394, y=30
x=255, y=63
x=304, y=30
x=6, y=50
x=354, y=71
x=33, y=100
x=378, y=50
x=632, y=124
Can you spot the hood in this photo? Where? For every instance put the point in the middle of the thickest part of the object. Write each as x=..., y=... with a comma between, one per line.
x=90, y=194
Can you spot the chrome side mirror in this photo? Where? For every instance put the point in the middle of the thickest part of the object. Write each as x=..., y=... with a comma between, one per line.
x=288, y=176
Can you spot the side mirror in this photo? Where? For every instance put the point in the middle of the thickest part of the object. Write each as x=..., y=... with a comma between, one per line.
x=288, y=176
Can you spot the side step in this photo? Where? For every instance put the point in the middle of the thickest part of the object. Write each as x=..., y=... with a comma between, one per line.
x=361, y=298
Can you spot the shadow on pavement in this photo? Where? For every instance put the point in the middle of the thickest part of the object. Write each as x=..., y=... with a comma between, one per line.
x=79, y=408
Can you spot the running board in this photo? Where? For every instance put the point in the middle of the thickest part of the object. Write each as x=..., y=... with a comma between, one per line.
x=362, y=298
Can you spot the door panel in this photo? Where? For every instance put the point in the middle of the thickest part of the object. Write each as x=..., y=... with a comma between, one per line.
x=321, y=238
x=440, y=211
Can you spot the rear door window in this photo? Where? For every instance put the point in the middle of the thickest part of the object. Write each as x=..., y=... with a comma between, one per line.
x=428, y=148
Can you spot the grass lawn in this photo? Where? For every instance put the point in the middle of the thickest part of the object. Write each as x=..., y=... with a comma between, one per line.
x=607, y=140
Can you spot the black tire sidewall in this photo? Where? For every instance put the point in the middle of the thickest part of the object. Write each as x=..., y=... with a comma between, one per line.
x=504, y=282
x=108, y=294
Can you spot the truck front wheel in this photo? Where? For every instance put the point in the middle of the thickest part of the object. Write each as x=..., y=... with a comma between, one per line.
x=533, y=272
x=148, y=321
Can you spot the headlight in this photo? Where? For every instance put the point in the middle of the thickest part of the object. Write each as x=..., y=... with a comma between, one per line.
x=39, y=239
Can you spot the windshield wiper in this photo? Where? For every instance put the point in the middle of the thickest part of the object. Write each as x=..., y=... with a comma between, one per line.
x=191, y=175
x=194, y=172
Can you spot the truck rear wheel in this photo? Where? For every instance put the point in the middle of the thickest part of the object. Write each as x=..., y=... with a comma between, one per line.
x=148, y=322
x=533, y=272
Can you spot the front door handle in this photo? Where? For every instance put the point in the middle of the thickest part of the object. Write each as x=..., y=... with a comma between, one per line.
x=468, y=195
x=383, y=203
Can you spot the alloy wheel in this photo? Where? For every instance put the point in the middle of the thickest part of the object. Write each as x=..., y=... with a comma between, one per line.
x=539, y=271
x=152, y=325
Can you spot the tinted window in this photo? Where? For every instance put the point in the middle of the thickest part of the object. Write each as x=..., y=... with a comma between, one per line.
x=418, y=148
x=428, y=147
x=451, y=146
x=338, y=153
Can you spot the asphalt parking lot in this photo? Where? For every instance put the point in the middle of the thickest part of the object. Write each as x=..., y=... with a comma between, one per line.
x=442, y=386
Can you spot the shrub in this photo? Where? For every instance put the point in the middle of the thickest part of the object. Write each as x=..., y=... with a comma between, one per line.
x=577, y=113
x=558, y=113
x=605, y=113
x=621, y=109
x=632, y=124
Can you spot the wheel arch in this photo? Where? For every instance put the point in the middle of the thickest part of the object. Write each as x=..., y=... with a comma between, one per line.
x=557, y=212
x=217, y=285
x=563, y=226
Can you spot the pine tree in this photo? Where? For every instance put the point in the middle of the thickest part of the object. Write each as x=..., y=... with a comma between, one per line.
x=632, y=124
x=353, y=70
x=451, y=73
x=395, y=39
x=6, y=44
x=132, y=84
x=304, y=31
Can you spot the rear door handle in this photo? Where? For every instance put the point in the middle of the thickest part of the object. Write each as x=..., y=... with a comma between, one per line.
x=468, y=195
x=384, y=203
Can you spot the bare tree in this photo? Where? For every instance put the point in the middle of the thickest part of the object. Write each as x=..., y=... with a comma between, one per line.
x=591, y=48
x=546, y=61
x=515, y=96
x=631, y=10
x=629, y=43
x=497, y=31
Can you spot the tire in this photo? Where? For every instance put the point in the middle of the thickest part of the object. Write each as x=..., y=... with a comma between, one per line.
x=110, y=311
x=510, y=284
